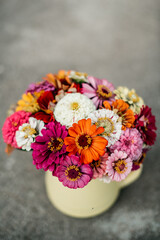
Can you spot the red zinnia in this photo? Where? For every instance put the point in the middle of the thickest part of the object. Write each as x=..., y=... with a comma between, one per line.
x=46, y=118
x=46, y=103
x=145, y=123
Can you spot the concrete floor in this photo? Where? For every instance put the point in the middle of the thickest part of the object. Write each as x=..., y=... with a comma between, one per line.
x=118, y=40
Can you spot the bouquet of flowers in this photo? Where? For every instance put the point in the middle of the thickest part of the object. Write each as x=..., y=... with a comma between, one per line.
x=81, y=128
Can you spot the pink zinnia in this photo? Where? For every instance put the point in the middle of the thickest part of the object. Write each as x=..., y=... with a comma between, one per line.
x=12, y=124
x=130, y=142
x=118, y=166
x=98, y=90
x=99, y=167
x=73, y=174
x=145, y=122
x=49, y=149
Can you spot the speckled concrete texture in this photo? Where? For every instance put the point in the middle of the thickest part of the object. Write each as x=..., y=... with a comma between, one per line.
x=115, y=39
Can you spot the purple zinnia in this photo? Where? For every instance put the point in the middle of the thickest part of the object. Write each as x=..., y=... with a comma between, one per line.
x=73, y=174
x=130, y=142
x=98, y=90
x=49, y=149
x=37, y=87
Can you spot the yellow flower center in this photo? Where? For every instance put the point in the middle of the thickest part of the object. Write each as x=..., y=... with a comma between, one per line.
x=55, y=144
x=96, y=164
x=75, y=106
x=120, y=166
x=29, y=131
x=14, y=124
x=133, y=96
x=83, y=141
x=73, y=173
x=104, y=92
x=107, y=124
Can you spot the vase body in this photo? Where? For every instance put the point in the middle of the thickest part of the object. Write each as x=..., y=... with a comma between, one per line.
x=92, y=200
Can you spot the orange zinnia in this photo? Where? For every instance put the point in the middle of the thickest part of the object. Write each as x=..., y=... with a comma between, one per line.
x=121, y=108
x=60, y=80
x=84, y=140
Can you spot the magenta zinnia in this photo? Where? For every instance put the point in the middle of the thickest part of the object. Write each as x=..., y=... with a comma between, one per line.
x=73, y=174
x=145, y=123
x=49, y=149
x=98, y=90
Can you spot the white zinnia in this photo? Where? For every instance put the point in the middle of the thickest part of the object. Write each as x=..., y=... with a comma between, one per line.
x=27, y=132
x=78, y=76
x=72, y=108
x=109, y=121
x=130, y=96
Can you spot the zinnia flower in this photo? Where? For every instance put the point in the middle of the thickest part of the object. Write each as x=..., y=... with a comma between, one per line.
x=78, y=77
x=145, y=123
x=49, y=149
x=119, y=165
x=60, y=80
x=38, y=87
x=109, y=121
x=99, y=167
x=12, y=124
x=122, y=110
x=47, y=103
x=83, y=139
x=73, y=174
x=130, y=142
x=29, y=102
x=130, y=96
x=98, y=90
x=73, y=107
x=27, y=133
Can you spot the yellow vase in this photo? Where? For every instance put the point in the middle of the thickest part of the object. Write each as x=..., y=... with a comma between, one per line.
x=92, y=200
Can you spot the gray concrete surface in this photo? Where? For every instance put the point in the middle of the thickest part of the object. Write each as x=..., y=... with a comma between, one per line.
x=116, y=39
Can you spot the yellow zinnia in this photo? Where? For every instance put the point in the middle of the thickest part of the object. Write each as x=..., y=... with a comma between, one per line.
x=29, y=102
